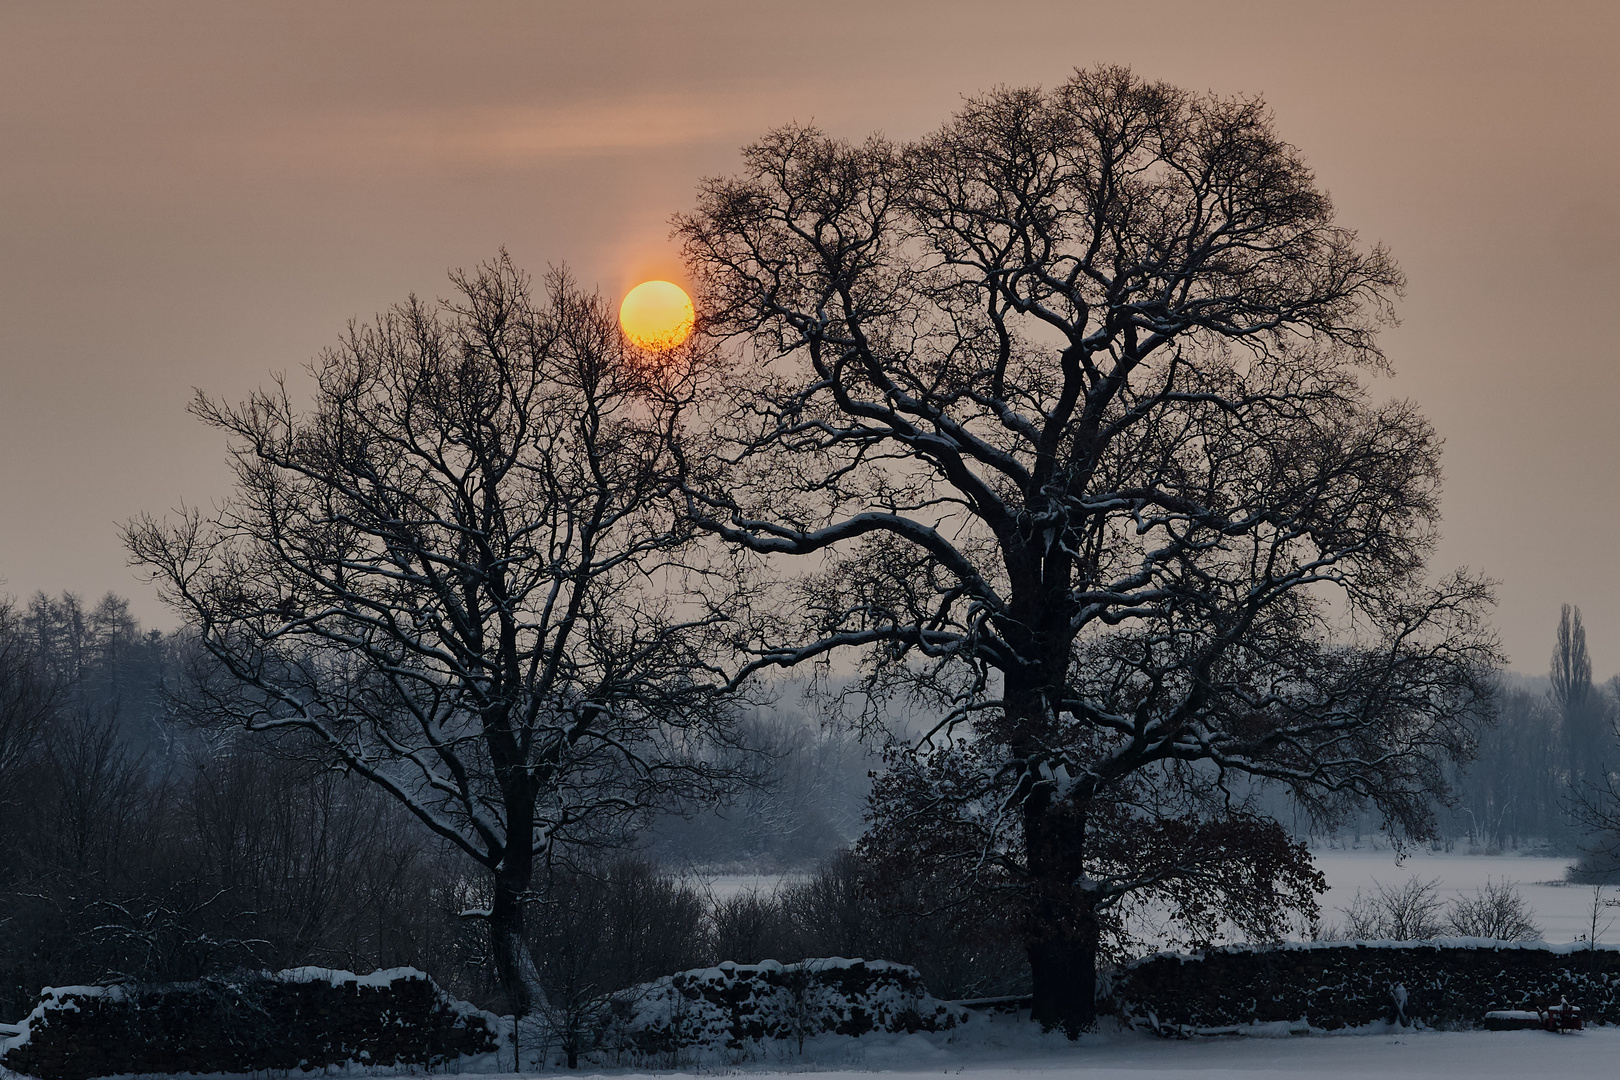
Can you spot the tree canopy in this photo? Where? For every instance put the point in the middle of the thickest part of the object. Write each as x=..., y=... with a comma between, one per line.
x=1068, y=403
x=460, y=575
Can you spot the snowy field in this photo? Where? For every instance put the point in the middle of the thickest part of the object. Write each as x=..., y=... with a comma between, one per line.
x=726, y=886
x=1564, y=912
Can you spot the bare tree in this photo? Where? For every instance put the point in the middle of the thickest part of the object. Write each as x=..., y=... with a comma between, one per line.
x=459, y=575
x=1407, y=912
x=1065, y=403
x=1497, y=911
x=1571, y=669
x=1581, y=710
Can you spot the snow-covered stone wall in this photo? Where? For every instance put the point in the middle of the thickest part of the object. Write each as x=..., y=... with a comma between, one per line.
x=305, y=1018
x=1449, y=982
x=734, y=1005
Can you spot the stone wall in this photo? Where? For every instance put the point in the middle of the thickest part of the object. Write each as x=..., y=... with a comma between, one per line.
x=311, y=1018
x=307, y=1018
x=734, y=1005
x=1445, y=983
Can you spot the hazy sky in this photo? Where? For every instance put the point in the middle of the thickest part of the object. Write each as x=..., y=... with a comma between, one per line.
x=201, y=194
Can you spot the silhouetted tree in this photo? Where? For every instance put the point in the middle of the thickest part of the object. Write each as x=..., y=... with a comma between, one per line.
x=459, y=575
x=1064, y=403
x=1571, y=667
x=1580, y=709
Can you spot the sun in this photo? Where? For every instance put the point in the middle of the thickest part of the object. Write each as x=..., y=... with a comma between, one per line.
x=657, y=315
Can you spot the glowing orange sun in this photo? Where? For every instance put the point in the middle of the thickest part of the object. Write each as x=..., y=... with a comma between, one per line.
x=657, y=315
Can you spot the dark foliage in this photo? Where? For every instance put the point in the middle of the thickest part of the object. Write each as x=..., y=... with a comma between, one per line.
x=598, y=929
x=963, y=943
x=133, y=847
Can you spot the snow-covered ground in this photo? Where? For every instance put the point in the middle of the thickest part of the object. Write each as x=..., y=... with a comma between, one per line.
x=1395, y=1056
x=1391, y=1056
x=1002, y=1049
x=1007, y=1048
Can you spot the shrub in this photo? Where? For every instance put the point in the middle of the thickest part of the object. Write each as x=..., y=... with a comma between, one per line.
x=1496, y=911
x=1409, y=912
x=1414, y=912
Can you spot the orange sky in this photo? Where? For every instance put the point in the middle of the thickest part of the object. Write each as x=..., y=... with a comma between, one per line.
x=198, y=194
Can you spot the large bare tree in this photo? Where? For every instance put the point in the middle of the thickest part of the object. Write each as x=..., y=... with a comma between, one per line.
x=1066, y=404
x=459, y=574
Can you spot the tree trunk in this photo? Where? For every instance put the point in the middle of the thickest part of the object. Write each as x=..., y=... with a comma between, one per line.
x=1063, y=970
x=1061, y=932
x=513, y=968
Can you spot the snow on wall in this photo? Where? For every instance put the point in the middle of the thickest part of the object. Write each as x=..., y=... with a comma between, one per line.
x=311, y=1018
x=733, y=1005
x=1330, y=985
x=302, y=1018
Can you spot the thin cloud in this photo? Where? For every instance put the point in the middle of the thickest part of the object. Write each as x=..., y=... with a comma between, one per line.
x=513, y=136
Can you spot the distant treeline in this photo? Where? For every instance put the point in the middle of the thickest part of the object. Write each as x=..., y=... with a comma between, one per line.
x=1553, y=739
